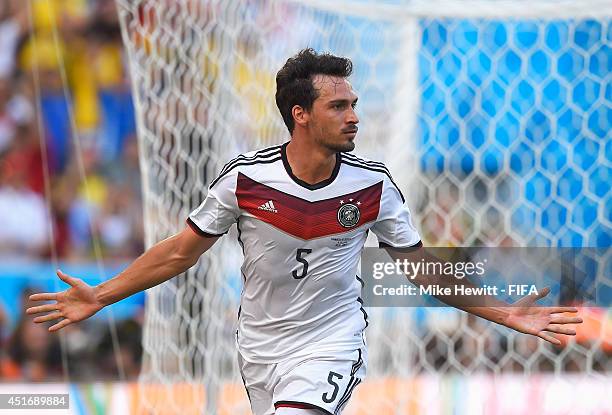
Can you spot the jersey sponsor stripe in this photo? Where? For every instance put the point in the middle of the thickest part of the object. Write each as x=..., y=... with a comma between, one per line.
x=240, y=238
x=366, y=162
x=343, y=404
x=362, y=166
x=346, y=394
x=246, y=389
x=360, y=281
x=365, y=315
x=247, y=163
x=302, y=218
x=357, y=363
x=261, y=153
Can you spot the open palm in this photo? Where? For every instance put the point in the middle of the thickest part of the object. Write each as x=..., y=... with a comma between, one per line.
x=527, y=317
x=75, y=304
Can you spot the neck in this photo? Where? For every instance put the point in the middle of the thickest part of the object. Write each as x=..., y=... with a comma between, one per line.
x=310, y=162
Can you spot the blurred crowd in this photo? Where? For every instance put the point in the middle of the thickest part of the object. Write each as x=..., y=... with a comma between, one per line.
x=67, y=133
x=69, y=176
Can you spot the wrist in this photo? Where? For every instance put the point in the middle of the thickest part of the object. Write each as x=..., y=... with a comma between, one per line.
x=99, y=296
x=506, y=317
x=496, y=314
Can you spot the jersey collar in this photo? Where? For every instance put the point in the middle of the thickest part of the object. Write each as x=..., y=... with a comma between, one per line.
x=302, y=183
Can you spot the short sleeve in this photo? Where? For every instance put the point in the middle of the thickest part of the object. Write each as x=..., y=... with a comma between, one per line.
x=219, y=211
x=394, y=226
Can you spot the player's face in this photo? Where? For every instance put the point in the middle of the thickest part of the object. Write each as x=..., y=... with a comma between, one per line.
x=333, y=121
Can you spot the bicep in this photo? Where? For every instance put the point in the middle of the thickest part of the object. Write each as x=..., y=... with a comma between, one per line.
x=193, y=245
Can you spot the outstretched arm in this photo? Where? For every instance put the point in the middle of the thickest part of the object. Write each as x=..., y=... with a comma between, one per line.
x=523, y=316
x=161, y=262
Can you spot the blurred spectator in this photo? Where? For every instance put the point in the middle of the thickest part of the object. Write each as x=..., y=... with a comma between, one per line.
x=126, y=170
x=3, y=324
x=7, y=123
x=42, y=54
x=90, y=195
x=119, y=223
x=26, y=155
x=129, y=333
x=33, y=355
x=15, y=111
x=117, y=112
x=13, y=20
x=24, y=222
x=62, y=198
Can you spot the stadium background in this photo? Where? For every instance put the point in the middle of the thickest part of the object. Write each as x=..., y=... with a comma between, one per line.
x=528, y=133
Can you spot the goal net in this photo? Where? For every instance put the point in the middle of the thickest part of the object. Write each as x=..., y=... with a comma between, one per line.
x=493, y=116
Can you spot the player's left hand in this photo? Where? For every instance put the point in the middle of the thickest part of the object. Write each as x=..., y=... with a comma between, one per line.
x=526, y=317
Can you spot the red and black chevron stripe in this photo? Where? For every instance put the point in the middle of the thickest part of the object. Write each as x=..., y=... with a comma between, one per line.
x=302, y=218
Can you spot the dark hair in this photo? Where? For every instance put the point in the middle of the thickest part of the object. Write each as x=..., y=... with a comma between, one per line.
x=294, y=80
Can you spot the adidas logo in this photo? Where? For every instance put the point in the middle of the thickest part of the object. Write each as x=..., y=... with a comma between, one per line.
x=269, y=206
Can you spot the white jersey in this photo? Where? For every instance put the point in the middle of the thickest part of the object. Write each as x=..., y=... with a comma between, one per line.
x=302, y=246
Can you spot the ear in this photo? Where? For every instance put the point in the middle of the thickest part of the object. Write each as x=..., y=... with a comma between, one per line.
x=300, y=115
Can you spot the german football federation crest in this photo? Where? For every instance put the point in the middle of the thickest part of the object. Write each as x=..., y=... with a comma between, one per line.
x=348, y=214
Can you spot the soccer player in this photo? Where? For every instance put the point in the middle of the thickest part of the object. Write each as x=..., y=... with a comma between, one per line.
x=303, y=211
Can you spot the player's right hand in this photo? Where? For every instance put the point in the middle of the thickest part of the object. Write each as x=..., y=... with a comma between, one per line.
x=75, y=304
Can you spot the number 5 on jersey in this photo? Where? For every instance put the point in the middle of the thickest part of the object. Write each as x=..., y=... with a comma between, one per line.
x=330, y=379
x=299, y=257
